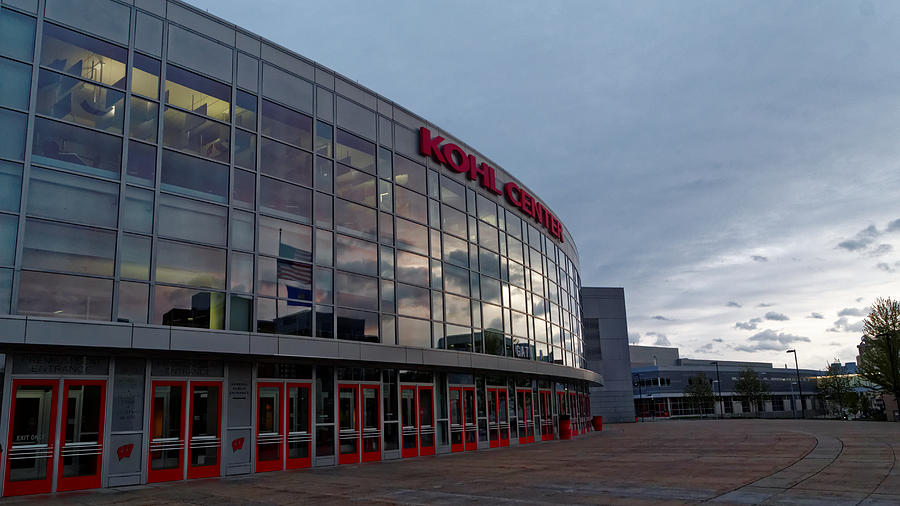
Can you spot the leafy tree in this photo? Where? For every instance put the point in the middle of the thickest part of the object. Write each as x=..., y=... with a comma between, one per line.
x=749, y=386
x=879, y=352
x=699, y=391
x=836, y=385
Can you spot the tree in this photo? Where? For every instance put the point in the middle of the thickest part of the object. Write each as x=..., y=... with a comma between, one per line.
x=836, y=385
x=749, y=386
x=879, y=352
x=699, y=391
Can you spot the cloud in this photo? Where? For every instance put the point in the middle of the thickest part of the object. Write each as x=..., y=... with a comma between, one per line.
x=751, y=324
x=706, y=347
x=770, y=340
x=718, y=340
x=893, y=226
x=816, y=316
x=662, y=318
x=661, y=339
x=882, y=249
x=844, y=325
x=759, y=258
x=852, y=311
x=732, y=303
x=778, y=317
x=634, y=337
x=765, y=304
x=859, y=299
x=862, y=240
x=886, y=267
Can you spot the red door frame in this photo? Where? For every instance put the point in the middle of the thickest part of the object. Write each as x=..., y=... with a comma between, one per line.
x=349, y=458
x=300, y=462
x=409, y=452
x=467, y=427
x=375, y=455
x=547, y=416
x=461, y=446
x=503, y=420
x=527, y=415
x=493, y=432
x=205, y=471
x=273, y=465
x=81, y=482
x=426, y=450
x=167, y=474
x=575, y=415
x=32, y=486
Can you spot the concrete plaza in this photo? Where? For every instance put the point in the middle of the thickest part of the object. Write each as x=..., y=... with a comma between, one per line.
x=668, y=462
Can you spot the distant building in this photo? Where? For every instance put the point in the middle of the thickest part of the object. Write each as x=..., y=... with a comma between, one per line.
x=606, y=352
x=659, y=378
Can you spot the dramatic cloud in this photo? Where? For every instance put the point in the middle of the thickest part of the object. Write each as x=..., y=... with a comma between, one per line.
x=844, y=325
x=661, y=339
x=778, y=317
x=662, y=318
x=852, y=311
x=770, y=340
x=751, y=324
x=816, y=316
x=759, y=258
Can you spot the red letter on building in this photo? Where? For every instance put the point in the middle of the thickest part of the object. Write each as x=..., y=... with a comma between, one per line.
x=430, y=147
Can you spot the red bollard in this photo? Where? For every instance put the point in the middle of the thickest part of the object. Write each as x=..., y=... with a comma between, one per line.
x=598, y=423
x=565, y=427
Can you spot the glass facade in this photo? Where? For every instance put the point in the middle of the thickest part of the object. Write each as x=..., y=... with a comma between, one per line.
x=186, y=182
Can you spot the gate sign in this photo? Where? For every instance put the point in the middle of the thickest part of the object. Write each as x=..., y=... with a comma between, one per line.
x=454, y=158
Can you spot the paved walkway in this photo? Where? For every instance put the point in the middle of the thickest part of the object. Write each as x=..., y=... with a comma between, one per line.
x=671, y=462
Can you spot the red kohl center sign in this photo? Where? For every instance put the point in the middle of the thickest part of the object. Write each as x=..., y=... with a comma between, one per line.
x=454, y=158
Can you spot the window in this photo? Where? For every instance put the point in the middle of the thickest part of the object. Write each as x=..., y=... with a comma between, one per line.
x=324, y=248
x=68, y=197
x=83, y=56
x=191, y=220
x=412, y=236
x=194, y=177
x=324, y=285
x=385, y=198
x=356, y=255
x=284, y=317
x=12, y=143
x=456, y=280
x=324, y=138
x=73, y=148
x=355, y=185
x=325, y=322
x=355, y=219
x=457, y=309
x=241, y=279
x=244, y=149
x=490, y=262
x=385, y=167
x=411, y=205
x=360, y=292
x=145, y=76
x=244, y=192
x=18, y=35
x=355, y=151
x=487, y=236
x=144, y=120
x=137, y=215
x=453, y=221
x=287, y=88
x=412, y=268
x=242, y=230
x=409, y=174
x=456, y=251
x=247, y=72
x=355, y=118
x=10, y=185
x=412, y=332
x=357, y=325
x=492, y=316
x=286, y=125
x=413, y=301
x=324, y=174
x=487, y=210
x=286, y=199
x=15, y=88
x=188, y=264
x=285, y=279
x=134, y=258
x=64, y=296
x=197, y=135
x=187, y=307
x=285, y=239
x=134, y=299
x=245, y=110
x=198, y=94
x=8, y=230
x=284, y=162
x=324, y=213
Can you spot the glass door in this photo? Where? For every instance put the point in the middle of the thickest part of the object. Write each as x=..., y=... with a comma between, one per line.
x=31, y=437
x=348, y=424
x=269, y=426
x=299, y=436
x=526, y=416
x=409, y=429
x=546, y=415
x=81, y=442
x=167, y=431
x=371, y=423
x=205, y=439
x=456, y=420
x=426, y=420
x=471, y=428
x=573, y=411
x=493, y=423
x=503, y=416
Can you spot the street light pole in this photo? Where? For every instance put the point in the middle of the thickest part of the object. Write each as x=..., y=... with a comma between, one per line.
x=721, y=402
x=799, y=386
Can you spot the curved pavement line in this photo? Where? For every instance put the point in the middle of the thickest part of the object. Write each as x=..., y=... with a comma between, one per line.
x=826, y=451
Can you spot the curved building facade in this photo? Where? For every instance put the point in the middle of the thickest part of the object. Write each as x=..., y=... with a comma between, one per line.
x=218, y=257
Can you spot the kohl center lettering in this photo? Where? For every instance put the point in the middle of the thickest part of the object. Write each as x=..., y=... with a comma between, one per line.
x=454, y=158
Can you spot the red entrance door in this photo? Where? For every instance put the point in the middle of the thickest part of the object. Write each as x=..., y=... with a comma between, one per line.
x=269, y=426
x=32, y=434
x=370, y=406
x=546, y=415
x=348, y=424
x=498, y=417
x=526, y=415
x=299, y=434
x=417, y=420
x=81, y=440
x=575, y=413
x=205, y=438
x=166, y=453
x=463, y=429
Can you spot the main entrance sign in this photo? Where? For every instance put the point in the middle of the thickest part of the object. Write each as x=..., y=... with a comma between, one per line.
x=454, y=158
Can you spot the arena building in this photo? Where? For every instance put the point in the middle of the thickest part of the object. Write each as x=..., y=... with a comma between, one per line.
x=218, y=257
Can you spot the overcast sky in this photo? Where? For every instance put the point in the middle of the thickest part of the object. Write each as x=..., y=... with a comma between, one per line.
x=732, y=165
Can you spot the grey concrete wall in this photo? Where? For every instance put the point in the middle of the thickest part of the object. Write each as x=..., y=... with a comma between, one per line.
x=607, y=353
